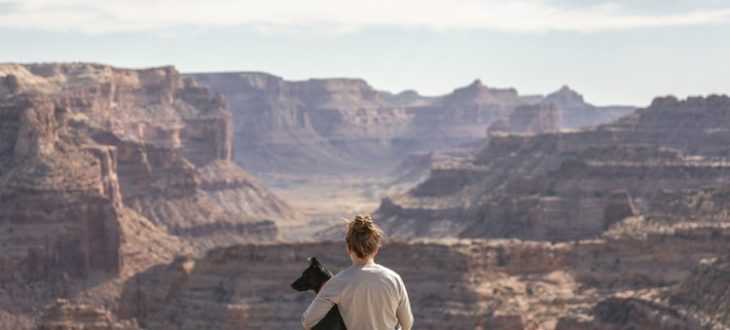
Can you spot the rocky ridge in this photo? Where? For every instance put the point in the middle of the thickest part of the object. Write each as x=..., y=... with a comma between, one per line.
x=574, y=185
x=459, y=284
x=347, y=126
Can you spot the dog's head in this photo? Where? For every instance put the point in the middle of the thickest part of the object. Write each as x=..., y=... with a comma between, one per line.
x=313, y=277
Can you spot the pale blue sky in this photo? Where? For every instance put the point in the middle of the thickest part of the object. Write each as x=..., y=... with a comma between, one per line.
x=614, y=52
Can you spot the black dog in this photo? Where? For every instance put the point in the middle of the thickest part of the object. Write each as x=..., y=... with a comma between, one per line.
x=313, y=278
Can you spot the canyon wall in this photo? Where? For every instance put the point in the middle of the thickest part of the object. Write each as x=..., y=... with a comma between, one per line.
x=573, y=185
x=60, y=206
x=87, y=150
x=576, y=113
x=456, y=284
x=328, y=126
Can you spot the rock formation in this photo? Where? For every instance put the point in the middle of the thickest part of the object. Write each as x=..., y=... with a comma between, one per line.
x=529, y=119
x=575, y=112
x=60, y=206
x=346, y=126
x=85, y=149
x=300, y=126
x=105, y=172
x=63, y=315
x=573, y=185
x=111, y=181
x=459, y=284
x=704, y=294
x=699, y=301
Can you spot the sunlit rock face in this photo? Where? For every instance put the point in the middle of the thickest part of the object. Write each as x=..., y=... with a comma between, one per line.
x=60, y=204
x=619, y=282
x=300, y=126
x=574, y=185
x=345, y=125
x=64, y=315
x=87, y=150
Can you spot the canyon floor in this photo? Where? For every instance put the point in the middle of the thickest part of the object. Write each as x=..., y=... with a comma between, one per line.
x=328, y=201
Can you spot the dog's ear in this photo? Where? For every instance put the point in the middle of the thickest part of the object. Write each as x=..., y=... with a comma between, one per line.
x=314, y=262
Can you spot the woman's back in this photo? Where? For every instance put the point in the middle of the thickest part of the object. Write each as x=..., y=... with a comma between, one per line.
x=368, y=296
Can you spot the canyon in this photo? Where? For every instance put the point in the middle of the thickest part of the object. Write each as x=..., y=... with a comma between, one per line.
x=344, y=125
x=332, y=147
x=152, y=199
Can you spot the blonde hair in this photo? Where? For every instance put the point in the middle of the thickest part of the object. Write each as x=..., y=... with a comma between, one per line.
x=364, y=237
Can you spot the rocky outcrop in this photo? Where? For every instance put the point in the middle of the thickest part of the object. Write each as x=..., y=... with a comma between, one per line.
x=62, y=315
x=248, y=287
x=698, y=302
x=575, y=112
x=347, y=126
x=60, y=207
x=461, y=116
x=458, y=284
x=87, y=150
x=300, y=126
x=630, y=313
x=105, y=172
x=704, y=294
x=529, y=119
x=573, y=185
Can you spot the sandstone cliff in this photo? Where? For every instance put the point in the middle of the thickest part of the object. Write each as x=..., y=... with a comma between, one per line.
x=572, y=185
x=699, y=301
x=63, y=315
x=106, y=171
x=346, y=126
x=575, y=112
x=85, y=148
x=529, y=119
x=464, y=284
x=704, y=294
x=301, y=126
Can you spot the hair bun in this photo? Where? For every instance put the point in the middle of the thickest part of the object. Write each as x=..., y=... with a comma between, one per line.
x=362, y=223
x=363, y=236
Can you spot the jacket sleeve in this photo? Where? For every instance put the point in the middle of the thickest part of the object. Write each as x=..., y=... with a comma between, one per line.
x=404, y=314
x=328, y=296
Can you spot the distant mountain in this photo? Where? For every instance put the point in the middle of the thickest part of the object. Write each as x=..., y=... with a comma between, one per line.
x=575, y=112
x=346, y=126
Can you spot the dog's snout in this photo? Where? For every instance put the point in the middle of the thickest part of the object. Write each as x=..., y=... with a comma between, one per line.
x=299, y=285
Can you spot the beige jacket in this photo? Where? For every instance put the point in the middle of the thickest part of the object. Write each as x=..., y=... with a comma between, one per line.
x=369, y=297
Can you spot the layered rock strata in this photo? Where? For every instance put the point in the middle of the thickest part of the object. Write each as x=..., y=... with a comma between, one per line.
x=62, y=315
x=573, y=185
x=465, y=284
x=87, y=150
x=347, y=126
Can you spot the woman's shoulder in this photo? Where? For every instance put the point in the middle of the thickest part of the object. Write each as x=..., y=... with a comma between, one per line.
x=388, y=272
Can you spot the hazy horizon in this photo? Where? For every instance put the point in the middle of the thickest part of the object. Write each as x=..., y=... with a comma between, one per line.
x=613, y=52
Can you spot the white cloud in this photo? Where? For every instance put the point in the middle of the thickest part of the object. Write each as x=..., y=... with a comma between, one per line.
x=99, y=16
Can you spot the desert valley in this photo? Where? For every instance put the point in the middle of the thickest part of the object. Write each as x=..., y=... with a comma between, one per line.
x=157, y=199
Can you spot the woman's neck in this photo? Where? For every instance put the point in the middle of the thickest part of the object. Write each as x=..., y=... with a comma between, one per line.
x=363, y=262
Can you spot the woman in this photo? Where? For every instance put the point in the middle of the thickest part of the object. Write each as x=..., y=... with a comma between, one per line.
x=369, y=296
